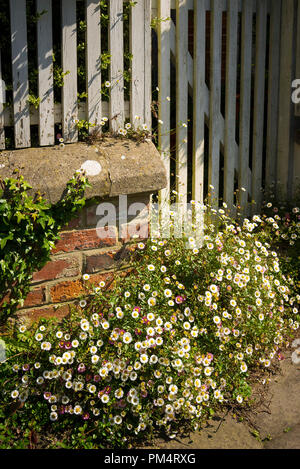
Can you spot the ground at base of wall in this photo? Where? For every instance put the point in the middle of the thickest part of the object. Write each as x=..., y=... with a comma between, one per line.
x=275, y=425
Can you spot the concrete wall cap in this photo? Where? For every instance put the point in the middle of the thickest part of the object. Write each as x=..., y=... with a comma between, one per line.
x=115, y=166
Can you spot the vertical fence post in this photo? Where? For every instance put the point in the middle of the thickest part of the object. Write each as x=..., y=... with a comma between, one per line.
x=215, y=102
x=296, y=172
x=19, y=53
x=69, y=66
x=273, y=93
x=246, y=71
x=137, y=49
x=148, y=64
x=181, y=101
x=230, y=103
x=199, y=100
x=45, y=72
x=259, y=104
x=199, y=116
x=93, y=65
x=164, y=79
x=285, y=143
x=116, y=49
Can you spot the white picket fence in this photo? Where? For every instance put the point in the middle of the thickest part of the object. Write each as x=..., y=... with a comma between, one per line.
x=258, y=39
x=66, y=113
x=190, y=78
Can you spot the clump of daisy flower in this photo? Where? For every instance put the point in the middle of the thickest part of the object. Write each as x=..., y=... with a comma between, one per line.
x=175, y=339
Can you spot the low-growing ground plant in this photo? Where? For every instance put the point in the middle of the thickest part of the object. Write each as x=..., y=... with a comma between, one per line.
x=159, y=350
x=281, y=224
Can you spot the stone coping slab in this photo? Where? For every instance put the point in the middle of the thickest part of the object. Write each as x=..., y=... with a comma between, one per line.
x=114, y=166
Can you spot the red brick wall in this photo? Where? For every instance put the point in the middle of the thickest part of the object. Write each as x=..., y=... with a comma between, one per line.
x=80, y=250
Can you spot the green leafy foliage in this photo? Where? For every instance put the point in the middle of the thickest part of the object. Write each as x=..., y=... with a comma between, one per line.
x=29, y=228
x=280, y=223
x=34, y=101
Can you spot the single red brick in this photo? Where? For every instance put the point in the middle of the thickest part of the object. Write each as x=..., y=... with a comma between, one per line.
x=72, y=289
x=33, y=315
x=85, y=239
x=66, y=267
x=101, y=261
x=65, y=291
x=35, y=298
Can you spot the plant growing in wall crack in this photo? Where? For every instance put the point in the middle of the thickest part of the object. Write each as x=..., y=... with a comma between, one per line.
x=29, y=227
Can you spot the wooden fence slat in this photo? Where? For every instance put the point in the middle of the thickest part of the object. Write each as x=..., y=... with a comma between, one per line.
x=297, y=72
x=137, y=49
x=245, y=102
x=181, y=100
x=148, y=64
x=273, y=92
x=296, y=169
x=230, y=103
x=215, y=101
x=93, y=65
x=259, y=104
x=45, y=73
x=2, y=96
x=69, y=65
x=19, y=53
x=116, y=48
x=285, y=143
x=199, y=100
x=164, y=105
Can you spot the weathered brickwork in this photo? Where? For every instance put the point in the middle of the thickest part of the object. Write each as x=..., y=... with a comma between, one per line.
x=84, y=247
